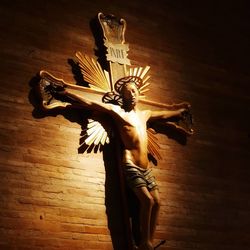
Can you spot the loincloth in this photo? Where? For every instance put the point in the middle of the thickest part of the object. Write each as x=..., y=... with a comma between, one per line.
x=138, y=177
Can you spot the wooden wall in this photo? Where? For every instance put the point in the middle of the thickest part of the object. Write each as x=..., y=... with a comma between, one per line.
x=53, y=197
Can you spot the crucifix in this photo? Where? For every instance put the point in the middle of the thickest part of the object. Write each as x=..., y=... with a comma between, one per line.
x=120, y=92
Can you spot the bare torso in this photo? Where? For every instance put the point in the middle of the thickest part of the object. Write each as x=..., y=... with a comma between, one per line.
x=133, y=132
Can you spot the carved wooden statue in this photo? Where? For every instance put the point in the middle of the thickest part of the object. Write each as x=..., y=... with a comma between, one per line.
x=120, y=90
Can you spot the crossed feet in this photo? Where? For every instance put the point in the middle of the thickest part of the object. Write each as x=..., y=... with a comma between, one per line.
x=144, y=246
x=148, y=246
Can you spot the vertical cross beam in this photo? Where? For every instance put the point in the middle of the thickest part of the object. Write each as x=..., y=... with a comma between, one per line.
x=114, y=40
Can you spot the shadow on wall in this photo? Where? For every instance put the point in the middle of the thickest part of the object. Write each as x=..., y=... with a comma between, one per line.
x=113, y=195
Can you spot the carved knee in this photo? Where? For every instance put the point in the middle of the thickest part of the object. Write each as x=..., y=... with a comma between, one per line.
x=148, y=201
x=157, y=202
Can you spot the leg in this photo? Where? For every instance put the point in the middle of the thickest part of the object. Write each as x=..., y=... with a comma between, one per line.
x=155, y=212
x=146, y=204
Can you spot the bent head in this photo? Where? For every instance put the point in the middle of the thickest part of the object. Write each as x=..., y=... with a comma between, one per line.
x=130, y=93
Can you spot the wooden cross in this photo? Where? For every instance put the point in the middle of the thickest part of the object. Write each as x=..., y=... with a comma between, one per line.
x=105, y=85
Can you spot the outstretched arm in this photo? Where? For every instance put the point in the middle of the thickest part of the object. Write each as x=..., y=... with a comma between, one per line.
x=85, y=102
x=154, y=115
x=182, y=118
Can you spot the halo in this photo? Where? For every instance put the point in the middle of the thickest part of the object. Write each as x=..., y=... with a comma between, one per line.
x=135, y=79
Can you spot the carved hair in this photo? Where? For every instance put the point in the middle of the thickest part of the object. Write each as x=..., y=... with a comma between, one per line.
x=121, y=83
